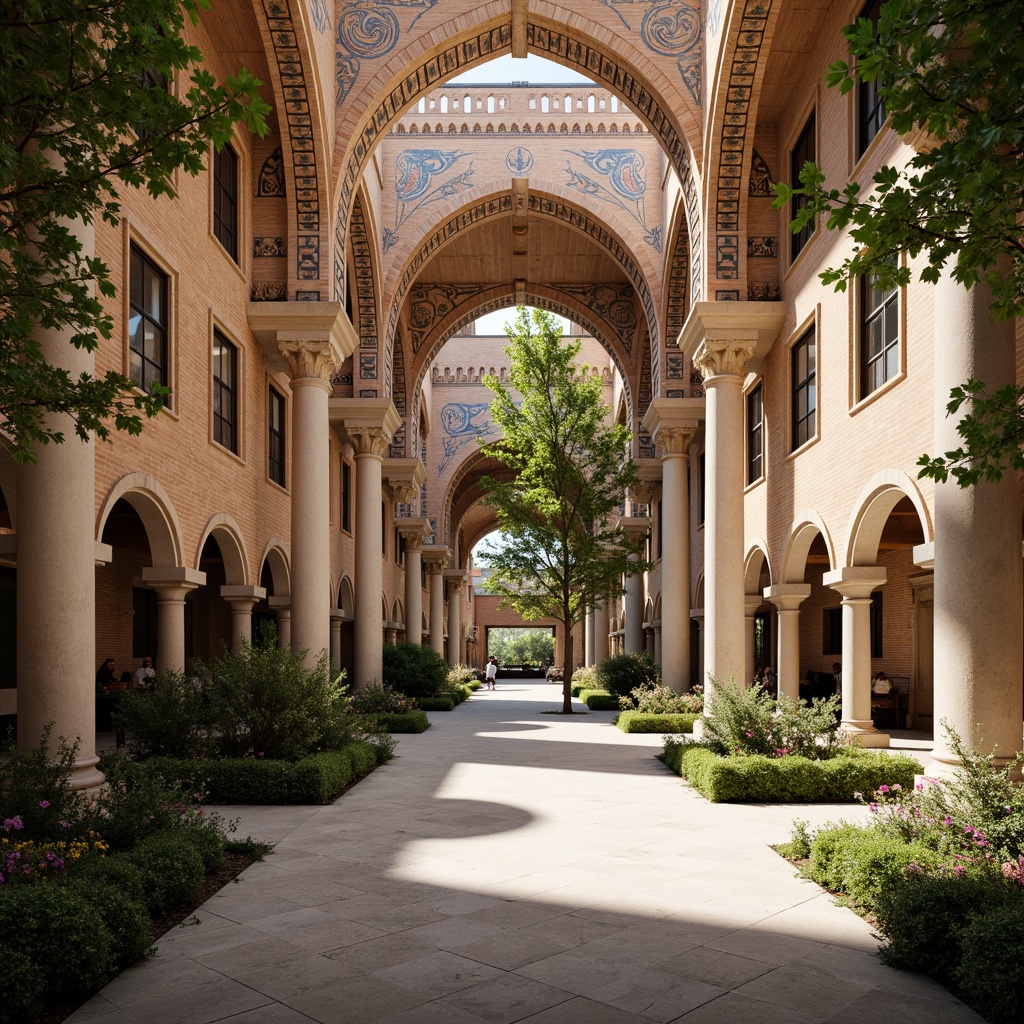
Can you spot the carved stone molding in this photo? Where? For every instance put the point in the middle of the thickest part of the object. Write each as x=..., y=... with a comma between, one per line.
x=672, y=423
x=718, y=358
x=435, y=558
x=316, y=359
x=368, y=440
x=368, y=424
x=403, y=478
x=414, y=531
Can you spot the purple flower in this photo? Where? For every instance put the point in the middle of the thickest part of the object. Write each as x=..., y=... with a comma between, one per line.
x=873, y=808
x=947, y=820
x=959, y=871
x=750, y=735
x=64, y=824
x=44, y=804
x=883, y=788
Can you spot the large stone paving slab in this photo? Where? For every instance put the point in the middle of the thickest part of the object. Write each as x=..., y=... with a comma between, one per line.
x=512, y=865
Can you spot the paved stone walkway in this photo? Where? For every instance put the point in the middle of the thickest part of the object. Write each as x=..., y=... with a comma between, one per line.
x=515, y=866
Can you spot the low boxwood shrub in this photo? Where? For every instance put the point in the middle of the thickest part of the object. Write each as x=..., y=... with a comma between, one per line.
x=64, y=939
x=442, y=703
x=991, y=971
x=759, y=779
x=599, y=700
x=172, y=871
x=411, y=721
x=639, y=721
x=124, y=915
x=475, y=685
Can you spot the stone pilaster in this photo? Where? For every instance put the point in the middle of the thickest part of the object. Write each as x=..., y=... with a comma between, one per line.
x=435, y=557
x=414, y=532
x=635, y=527
x=172, y=585
x=787, y=598
x=337, y=618
x=310, y=340
x=672, y=423
x=979, y=637
x=855, y=586
x=455, y=580
x=602, y=626
x=725, y=341
x=368, y=424
x=241, y=598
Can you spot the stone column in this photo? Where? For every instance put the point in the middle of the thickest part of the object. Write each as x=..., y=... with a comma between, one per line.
x=313, y=339
x=282, y=608
x=56, y=592
x=855, y=585
x=241, y=598
x=787, y=598
x=415, y=532
x=636, y=528
x=590, y=640
x=657, y=643
x=172, y=584
x=435, y=556
x=455, y=580
x=368, y=425
x=672, y=422
x=602, y=625
x=724, y=341
x=979, y=640
x=697, y=615
x=751, y=602
x=337, y=618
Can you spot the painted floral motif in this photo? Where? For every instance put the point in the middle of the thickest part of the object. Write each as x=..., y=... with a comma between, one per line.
x=624, y=170
x=462, y=423
x=416, y=185
x=318, y=9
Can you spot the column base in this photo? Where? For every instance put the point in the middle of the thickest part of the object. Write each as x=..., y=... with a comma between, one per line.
x=86, y=777
x=863, y=734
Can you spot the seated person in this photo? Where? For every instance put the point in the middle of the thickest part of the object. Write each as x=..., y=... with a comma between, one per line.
x=105, y=675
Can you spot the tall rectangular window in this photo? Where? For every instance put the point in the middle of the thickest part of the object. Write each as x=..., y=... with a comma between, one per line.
x=225, y=392
x=275, y=438
x=148, y=319
x=661, y=529
x=346, y=497
x=802, y=152
x=703, y=487
x=832, y=631
x=225, y=199
x=879, y=336
x=804, y=377
x=876, y=625
x=870, y=102
x=755, y=434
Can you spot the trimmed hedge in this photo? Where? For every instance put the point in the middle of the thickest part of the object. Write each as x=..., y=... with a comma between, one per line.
x=759, y=779
x=316, y=779
x=641, y=721
x=599, y=700
x=409, y=721
x=445, y=703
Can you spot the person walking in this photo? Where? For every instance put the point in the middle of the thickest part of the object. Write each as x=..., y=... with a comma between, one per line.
x=491, y=674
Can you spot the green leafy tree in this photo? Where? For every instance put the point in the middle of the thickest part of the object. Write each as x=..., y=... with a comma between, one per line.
x=515, y=646
x=85, y=111
x=950, y=73
x=569, y=472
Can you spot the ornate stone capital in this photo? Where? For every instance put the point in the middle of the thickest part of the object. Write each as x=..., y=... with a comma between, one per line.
x=454, y=581
x=721, y=358
x=403, y=479
x=414, y=531
x=310, y=359
x=672, y=422
x=368, y=440
x=368, y=424
x=435, y=558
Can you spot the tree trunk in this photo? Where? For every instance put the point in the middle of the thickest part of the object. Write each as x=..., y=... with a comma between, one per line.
x=567, y=671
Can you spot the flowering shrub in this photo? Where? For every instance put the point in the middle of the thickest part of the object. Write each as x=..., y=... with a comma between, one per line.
x=663, y=700
x=377, y=699
x=750, y=721
x=31, y=861
x=626, y=673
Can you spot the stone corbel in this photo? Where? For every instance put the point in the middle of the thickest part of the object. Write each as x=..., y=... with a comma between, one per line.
x=403, y=479
x=730, y=338
x=455, y=580
x=672, y=423
x=308, y=340
x=414, y=531
x=435, y=558
x=368, y=424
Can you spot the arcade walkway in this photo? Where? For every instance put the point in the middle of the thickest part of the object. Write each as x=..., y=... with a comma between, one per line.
x=515, y=866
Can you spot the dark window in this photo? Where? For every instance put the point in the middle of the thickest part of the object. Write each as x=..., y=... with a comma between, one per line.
x=870, y=102
x=755, y=434
x=384, y=529
x=346, y=497
x=703, y=487
x=225, y=199
x=876, y=625
x=147, y=322
x=805, y=389
x=661, y=529
x=879, y=336
x=832, y=631
x=275, y=429
x=225, y=392
x=763, y=638
x=8, y=628
x=802, y=152
x=143, y=623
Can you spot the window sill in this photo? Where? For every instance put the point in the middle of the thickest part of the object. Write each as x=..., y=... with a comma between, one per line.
x=809, y=443
x=878, y=393
x=217, y=446
x=754, y=484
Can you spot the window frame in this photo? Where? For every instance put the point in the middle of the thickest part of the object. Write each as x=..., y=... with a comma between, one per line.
x=279, y=435
x=220, y=421
x=757, y=392
x=137, y=254
x=804, y=149
x=226, y=199
x=805, y=384
x=346, y=496
x=888, y=309
x=870, y=105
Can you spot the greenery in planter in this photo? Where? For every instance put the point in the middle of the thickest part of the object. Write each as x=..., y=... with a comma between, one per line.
x=641, y=721
x=584, y=679
x=624, y=673
x=414, y=670
x=757, y=778
x=409, y=722
x=376, y=699
x=599, y=700
x=440, y=703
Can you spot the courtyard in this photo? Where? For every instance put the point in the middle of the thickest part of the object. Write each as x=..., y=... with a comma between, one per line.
x=513, y=865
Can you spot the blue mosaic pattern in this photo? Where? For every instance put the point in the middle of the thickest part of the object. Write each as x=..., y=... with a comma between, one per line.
x=416, y=185
x=624, y=170
x=461, y=424
x=519, y=161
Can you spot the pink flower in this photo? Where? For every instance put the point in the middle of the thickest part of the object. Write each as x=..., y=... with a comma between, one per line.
x=750, y=735
x=947, y=820
x=883, y=788
x=873, y=808
x=44, y=804
x=959, y=871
